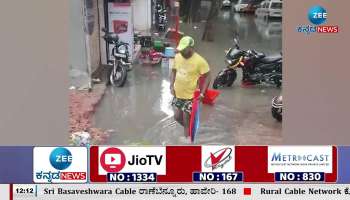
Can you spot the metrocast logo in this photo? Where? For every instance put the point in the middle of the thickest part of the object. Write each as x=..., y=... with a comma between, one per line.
x=317, y=15
x=132, y=160
x=60, y=165
x=300, y=159
x=218, y=159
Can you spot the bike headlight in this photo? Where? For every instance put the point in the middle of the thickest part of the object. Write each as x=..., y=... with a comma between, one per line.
x=229, y=61
x=122, y=49
x=277, y=102
x=279, y=98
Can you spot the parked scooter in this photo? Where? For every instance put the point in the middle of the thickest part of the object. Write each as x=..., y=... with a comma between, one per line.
x=276, y=108
x=120, y=63
x=257, y=68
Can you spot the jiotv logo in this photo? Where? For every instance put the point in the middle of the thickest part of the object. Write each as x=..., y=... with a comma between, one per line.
x=317, y=15
x=132, y=159
x=218, y=159
x=60, y=165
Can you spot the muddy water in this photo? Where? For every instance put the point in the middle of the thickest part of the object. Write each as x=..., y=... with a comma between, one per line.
x=140, y=112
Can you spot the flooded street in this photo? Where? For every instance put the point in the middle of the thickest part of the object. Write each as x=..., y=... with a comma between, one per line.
x=140, y=112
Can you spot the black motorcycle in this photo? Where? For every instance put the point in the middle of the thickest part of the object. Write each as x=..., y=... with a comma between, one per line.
x=257, y=68
x=120, y=63
x=276, y=108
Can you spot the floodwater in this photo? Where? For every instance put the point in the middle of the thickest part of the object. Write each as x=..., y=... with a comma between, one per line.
x=140, y=113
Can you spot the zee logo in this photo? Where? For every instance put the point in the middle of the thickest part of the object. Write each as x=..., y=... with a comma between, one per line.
x=60, y=164
x=317, y=15
x=61, y=158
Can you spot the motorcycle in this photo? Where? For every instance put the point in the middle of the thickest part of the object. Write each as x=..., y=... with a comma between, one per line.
x=257, y=68
x=162, y=18
x=120, y=63
x=276, y=108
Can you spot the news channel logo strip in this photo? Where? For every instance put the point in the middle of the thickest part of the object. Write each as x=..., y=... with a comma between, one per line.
x=60, y=164
x=317, y=15
x=301, y=164
x=61, y=160
x=115, y=160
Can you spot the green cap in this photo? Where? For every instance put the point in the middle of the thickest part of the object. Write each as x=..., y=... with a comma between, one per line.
x=185, y=42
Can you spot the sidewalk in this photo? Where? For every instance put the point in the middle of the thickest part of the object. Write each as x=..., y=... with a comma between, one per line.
x=82, y=106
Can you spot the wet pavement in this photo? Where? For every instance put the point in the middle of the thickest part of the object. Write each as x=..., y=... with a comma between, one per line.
x=140, y=112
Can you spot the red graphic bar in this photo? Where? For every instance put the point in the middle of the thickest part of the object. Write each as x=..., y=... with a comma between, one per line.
x=94, y=162
x=11, y=191
x=252, y=161
x=333, y=176
x=181, y=162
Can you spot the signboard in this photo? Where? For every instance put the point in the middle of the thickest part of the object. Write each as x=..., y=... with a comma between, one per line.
x=120, y=22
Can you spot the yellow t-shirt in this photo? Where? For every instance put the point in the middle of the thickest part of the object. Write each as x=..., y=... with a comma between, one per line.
x=188, y=72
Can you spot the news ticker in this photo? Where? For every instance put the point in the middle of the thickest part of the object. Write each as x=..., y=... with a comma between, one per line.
x=175, y=164
x=176, y=191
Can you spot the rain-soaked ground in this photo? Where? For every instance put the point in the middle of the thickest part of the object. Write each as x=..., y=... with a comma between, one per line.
x=140, y=112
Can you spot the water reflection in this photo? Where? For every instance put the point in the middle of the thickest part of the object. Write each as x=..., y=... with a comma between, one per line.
x=244, y=25
x=269, y=29
x=226, y=15
x=166, y=98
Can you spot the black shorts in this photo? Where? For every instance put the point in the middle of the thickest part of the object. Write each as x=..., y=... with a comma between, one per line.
x=182, y=104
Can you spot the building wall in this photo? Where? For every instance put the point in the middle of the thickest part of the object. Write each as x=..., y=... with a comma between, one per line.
x=94, y=42
x=102, y=47
x=77, y=53
x=142, y=15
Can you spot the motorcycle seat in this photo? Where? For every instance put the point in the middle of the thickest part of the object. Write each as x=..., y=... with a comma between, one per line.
x=123, y=43
x=258, y=54
x=111, y=37
x=268, y=67
x=271, y=59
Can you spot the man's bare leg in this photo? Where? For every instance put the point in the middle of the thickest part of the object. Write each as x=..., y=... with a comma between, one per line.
x=179, y=116
x=186, y=120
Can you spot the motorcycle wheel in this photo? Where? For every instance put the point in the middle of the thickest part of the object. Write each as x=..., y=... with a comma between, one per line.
x=161, y=28
x=278, y=81
x=276, y=114
x=219, y=81
x=231, y=78
x=118, y=78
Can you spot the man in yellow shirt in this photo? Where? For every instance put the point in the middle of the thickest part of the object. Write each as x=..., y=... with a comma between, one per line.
x=188, y=67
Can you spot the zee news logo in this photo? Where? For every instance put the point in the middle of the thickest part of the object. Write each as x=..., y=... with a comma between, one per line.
x=317, y=15
x=60, y=159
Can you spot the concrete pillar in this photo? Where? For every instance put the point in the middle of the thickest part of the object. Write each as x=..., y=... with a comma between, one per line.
x=77, y=52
